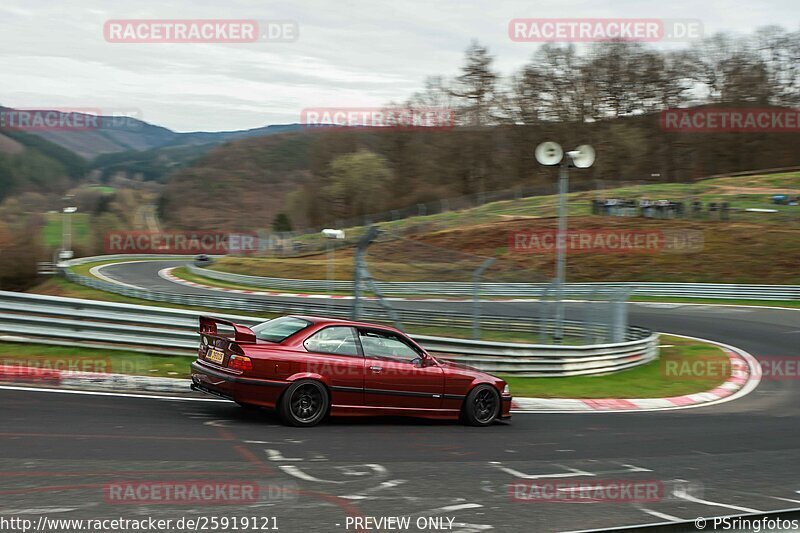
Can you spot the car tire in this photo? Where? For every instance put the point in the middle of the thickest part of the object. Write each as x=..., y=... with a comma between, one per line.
x=304, y=404
x=481, y=407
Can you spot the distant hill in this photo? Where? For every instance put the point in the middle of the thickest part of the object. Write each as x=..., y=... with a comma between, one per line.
x=239, y=185
x=156, y=164
x=9, y=145
x=149, y=165
x=31, y=163
x=123, y=134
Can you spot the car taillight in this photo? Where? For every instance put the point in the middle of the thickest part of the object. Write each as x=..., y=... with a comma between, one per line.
x=240, y=362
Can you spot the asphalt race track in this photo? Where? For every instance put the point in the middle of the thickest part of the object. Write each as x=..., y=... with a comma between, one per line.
x=59, y=451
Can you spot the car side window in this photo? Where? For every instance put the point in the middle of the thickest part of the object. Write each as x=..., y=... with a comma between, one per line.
x=337, y=340
x=387, y=345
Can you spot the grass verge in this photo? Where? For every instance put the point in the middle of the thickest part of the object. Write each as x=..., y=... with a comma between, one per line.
x=646, y=381
x=53, y=229
x=94, y=360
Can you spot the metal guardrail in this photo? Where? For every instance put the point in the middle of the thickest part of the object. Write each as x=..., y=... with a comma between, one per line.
x=46, y=268
x=444, y=288
x=161, y=330
x=574, y=330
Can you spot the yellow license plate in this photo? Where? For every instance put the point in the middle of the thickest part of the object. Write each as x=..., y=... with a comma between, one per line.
x=215, y=356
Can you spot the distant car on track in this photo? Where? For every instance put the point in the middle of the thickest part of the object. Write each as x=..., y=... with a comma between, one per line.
x=202, y=260
x=308, y=367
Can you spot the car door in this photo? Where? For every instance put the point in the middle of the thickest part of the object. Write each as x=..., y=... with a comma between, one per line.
x=395, y=375
x=335, y=353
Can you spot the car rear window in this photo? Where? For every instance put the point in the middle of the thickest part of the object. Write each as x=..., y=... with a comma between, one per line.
x=279, y=329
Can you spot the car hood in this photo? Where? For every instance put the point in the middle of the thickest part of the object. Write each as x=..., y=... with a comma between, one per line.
x=458, y=368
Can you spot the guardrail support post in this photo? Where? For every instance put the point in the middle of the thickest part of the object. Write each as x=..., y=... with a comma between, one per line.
x=620, y=315
x=476, y=297
x=561, y=249
x=362, y=275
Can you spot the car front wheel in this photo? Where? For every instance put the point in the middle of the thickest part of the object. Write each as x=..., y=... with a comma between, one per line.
x=304, y=404
x=482, y=406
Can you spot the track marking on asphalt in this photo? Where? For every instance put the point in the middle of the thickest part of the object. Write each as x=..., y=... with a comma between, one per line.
x=689, y=498
x=275, y=455
x=217, y=423
x=349, y=470
x=299, y=474
x=361, y=495
x=662, y=516
x=116, y=394
x=449, y=508
x=785, y=499
x=634, y=468
x=43, y=510
x=571, y=472
x=463, y=527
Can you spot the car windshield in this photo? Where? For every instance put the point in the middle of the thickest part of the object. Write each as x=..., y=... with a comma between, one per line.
x=279, y=329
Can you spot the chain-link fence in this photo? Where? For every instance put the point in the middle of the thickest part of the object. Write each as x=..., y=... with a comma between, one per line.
x=384, y=258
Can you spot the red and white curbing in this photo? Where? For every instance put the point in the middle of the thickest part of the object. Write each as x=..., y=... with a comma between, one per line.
x=91, y=380
x=745, y=376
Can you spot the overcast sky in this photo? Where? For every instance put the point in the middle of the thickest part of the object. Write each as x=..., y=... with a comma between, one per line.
x=349, y=53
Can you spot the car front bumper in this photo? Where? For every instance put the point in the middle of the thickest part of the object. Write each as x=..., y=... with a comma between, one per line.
x=505, y=407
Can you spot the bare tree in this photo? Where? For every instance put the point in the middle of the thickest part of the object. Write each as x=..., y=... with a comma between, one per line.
x=475, y=87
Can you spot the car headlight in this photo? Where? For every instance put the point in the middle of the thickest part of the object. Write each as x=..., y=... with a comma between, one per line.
x=506, y=389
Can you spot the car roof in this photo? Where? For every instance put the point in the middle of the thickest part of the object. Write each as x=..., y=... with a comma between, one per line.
x=342, y=322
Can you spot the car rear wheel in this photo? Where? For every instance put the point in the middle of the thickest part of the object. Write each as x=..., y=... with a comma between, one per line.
x=304, y=404
x=482, y=406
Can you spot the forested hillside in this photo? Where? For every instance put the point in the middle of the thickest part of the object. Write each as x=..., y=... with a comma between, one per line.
x=611, y=95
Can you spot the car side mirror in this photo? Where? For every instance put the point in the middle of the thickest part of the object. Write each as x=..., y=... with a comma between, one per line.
x=426, y=361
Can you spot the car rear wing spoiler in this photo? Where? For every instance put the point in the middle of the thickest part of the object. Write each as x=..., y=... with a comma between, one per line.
x=241, y=334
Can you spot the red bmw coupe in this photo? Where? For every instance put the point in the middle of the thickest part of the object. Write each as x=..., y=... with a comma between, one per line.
x=309, y=367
